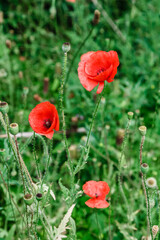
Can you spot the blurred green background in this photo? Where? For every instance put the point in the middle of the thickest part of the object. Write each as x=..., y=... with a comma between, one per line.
x=31, y=37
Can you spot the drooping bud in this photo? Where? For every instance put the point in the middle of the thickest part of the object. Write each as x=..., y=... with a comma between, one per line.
x=130, y=115
x=46, y=84
x=142, y=130
x=155, y=230
x=8, y=43
x=96, y=17
x=39, y=196
x=144, y=168
x=66, y=47
x=14, y=128
x=120, y=136
x=4, y=107
x=37, y=98
x=20, y=74
x=28, y=199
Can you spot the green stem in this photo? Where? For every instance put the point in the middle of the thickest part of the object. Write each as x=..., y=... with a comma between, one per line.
x=120, y=167
x=143, y=177
x=35, y=157
x=97, y=221
x=77, y=52
x=70, y=165
x=85, y=152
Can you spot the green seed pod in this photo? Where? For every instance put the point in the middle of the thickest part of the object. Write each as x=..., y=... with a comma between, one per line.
x=130, y=115
x=144, y=168
x=2, y=151
x=142, y=130
x=28, y=199
x=4, y=107
x=39, y=196
x=66, y=47
x=14, y=128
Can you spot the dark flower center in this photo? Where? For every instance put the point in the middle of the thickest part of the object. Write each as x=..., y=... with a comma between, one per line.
x=100, y=71
x=96, y=195
x=47, y=123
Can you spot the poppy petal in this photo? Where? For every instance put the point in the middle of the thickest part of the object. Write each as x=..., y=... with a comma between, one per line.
x=95, y=203
x=90, y=188
x=100, y=87
x=87, y=83
x=49, y=135
x=85, y=56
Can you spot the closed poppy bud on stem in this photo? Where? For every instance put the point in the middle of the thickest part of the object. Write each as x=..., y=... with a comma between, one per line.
x=66, y=47
x=144, y=168
x=39, y=196
x=4, y=107
x=96, y=17
x=25, y=91
x=155, y=230
x=142, y=130
x=1, y=17
x=8, y=43
x=28, y=199
x=37, y=98
x=46, y=84
x=14, y=128
x=130, y=115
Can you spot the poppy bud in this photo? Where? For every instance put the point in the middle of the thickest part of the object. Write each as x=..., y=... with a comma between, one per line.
x=96, y=17
x=66, y=47
x=37, y=98
x=8, y=43
x=58, y=68
x=144, y=168
x=20, y=74
x=4, y=107
x=25, y=91
x=142, y=130
x=39, y=196
x=1, y=17
x=14, y=128
x=130, y=115
x=2, y=151
x=28, y=199
x=155, y=230
x=120, y=136
x=46, y=84
x=74, y=152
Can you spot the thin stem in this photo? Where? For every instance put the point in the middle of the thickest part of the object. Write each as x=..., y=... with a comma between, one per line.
x=5, y=184
x=97, y=221
x=70, y=165
x=83, y=159
x=143, y=177
x=77, y=52
x=35, y=157
x=120, y=162
x=20, y=164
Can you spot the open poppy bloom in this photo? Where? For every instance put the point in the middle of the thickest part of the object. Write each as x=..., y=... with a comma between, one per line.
x=97, y=67
x=97, y=191
x=44, y=118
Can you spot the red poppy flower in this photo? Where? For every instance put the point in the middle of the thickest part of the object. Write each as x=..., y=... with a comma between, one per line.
x=71, y=1
x=97, y=191
x=44, y=118
x=97, y=67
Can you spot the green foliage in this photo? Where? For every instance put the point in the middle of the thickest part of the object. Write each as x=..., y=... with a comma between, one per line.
x=37, y=29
